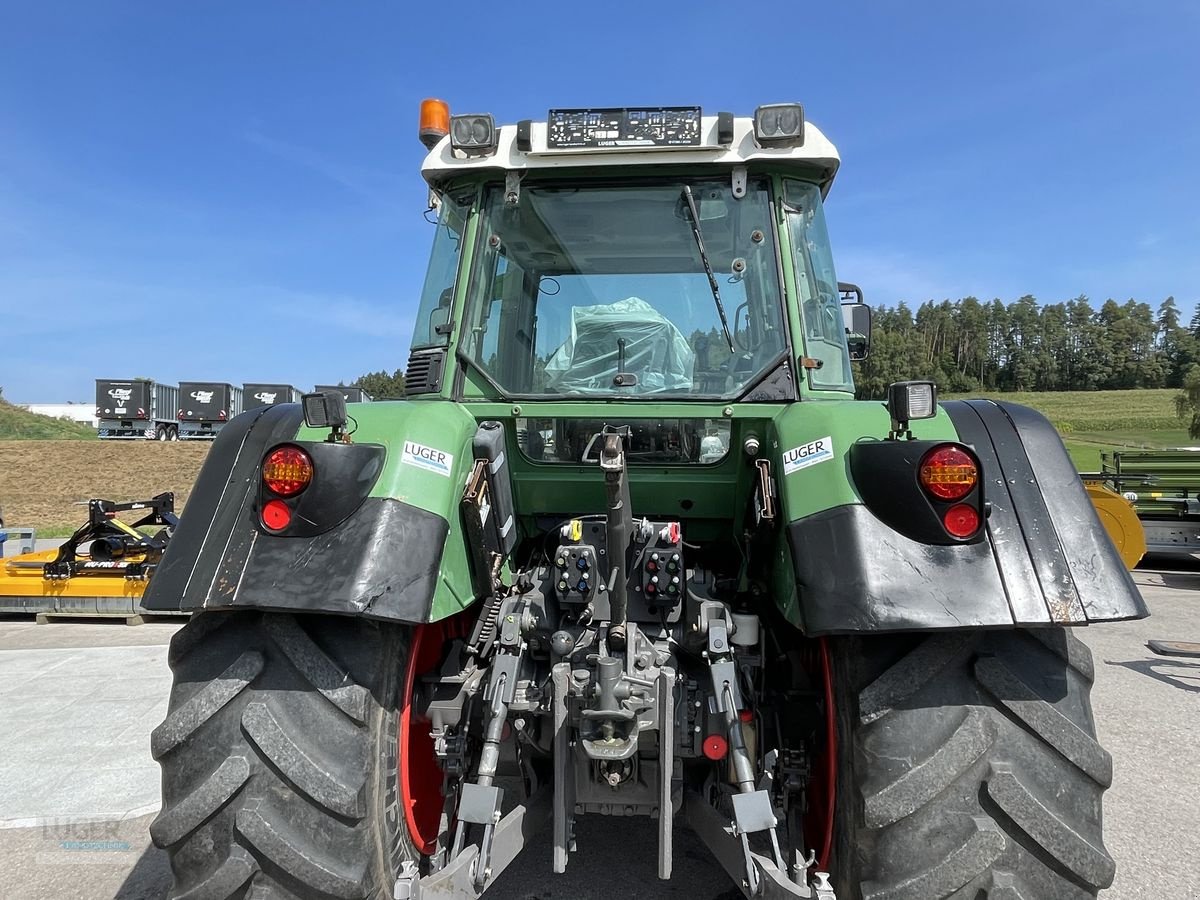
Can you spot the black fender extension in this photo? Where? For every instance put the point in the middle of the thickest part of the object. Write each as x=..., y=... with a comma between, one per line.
x=1045, y=560
x=382, y=561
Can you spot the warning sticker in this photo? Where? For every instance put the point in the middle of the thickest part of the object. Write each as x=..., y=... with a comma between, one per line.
x=818, y=451
x=429, y=458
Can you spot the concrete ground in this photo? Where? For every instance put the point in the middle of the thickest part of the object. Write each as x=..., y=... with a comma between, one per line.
x=78, y=787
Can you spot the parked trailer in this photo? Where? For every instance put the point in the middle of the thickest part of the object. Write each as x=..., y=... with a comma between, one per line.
x=256, y=395
x=352, y=394
x=1164, y=487
x=205, y=407
x=136, y=409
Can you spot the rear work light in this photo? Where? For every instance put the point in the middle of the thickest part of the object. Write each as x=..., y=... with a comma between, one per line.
x=948, y=472
x=287, y=471
x=779, y=124
x=473, y=135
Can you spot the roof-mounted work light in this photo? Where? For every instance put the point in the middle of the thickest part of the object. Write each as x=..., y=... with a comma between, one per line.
x=474, y=135
x=779, y=125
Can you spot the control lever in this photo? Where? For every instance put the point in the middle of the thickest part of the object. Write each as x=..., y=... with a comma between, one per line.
x=623, y=378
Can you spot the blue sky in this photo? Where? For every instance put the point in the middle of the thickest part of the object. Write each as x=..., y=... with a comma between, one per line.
x=230, y=190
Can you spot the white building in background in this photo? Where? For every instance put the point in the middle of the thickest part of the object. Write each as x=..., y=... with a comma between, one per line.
x=76, y=412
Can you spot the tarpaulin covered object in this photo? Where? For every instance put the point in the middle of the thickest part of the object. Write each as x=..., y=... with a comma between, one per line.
x=655, y=350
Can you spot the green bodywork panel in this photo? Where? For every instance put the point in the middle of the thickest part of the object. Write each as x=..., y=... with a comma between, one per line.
x=825, y=482
x=442, y=426
x=711, y=500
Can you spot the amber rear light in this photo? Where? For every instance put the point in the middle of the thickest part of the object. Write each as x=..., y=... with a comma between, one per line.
x=948, y=472
x=287, y=471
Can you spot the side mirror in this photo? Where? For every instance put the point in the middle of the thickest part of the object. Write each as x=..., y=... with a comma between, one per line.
x=439, y=318
x=857, y=316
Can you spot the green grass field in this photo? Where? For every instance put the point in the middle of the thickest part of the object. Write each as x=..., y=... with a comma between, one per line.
x=18, y=424
x=1094, y=421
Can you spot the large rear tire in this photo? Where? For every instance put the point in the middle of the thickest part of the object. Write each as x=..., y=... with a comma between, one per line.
x=279, y=757
x=969, y=768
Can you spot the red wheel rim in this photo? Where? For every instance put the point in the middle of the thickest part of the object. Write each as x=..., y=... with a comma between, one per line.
x=823, y=792
x=419, y=774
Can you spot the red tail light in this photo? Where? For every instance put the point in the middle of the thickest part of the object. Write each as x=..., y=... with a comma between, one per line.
x=276, y=515
x=961, y=520
x=287, y=471
x=948, y=472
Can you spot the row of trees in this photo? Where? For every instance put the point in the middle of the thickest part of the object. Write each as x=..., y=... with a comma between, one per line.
x=971, y=345
x=381, y=385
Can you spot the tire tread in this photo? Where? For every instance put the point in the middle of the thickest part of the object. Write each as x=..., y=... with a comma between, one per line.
x=271, y=757
x=999, y=800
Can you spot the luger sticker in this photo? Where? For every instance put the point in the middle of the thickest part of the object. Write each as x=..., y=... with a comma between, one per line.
x=818, y=451
x=429, y=458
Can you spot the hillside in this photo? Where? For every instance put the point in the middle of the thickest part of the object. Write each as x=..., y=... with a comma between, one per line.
x=18, y=424
x=1092, y=422
x=43, y=483
x=1152, y=409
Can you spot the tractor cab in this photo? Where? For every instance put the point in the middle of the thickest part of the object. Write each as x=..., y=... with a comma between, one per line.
x=641, y=255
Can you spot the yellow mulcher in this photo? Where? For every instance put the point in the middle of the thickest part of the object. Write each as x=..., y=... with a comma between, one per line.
x=100, y=570
x=1119, y=518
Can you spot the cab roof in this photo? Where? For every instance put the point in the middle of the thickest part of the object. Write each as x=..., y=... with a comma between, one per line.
x=816, y=158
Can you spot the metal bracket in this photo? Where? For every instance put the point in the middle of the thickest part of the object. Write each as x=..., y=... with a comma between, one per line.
x=564, y=778
x=739, y=182
x=764, y=495
x=480, y=805
x=512, y=188
x=823, y=888
x=408, y=885
x=725, y=688
x=666, y=770
x=718, y=637
x=457, y=881
x=770, y=881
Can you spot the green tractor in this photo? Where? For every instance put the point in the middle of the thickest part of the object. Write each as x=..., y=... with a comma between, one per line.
x=630, y=547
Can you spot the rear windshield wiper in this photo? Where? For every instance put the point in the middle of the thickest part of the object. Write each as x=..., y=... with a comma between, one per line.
x=712, y=279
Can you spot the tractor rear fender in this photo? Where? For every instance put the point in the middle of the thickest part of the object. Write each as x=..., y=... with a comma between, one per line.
x=377, y=533
x=1042, y=558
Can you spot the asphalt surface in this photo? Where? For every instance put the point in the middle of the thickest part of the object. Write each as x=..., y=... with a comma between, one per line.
x=77, y=785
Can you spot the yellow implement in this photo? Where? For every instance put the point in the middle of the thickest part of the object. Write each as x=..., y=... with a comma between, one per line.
x=102, y=569
x=1120, y=520
x=25, y=588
